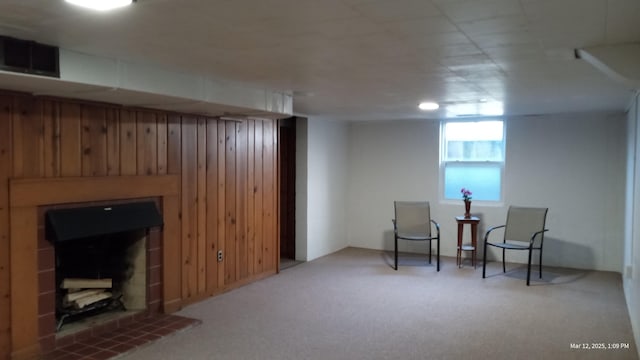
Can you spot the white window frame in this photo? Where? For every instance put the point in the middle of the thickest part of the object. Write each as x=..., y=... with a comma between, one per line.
x=444, y=162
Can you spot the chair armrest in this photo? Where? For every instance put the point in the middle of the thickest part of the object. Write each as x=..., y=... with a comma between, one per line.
x=533, y=237
x=437, y=226
x=486, y=235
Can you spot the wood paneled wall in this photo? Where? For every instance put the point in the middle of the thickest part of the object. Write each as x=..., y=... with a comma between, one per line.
x=228, y=172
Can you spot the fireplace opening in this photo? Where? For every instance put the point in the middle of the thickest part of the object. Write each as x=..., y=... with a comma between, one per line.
x=98, y=275
x=101, y=266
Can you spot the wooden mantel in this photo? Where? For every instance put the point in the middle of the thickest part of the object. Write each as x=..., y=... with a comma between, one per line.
x=26, y=195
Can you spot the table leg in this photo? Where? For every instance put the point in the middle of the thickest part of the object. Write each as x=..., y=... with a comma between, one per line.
x=474, y=242
x=459, y=255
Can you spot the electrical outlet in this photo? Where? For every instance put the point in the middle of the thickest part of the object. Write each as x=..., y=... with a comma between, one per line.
x=220, y=257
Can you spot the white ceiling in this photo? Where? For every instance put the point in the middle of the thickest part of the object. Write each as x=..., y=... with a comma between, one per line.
x=361, y=59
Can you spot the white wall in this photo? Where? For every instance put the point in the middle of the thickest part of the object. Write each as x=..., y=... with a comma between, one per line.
x=632, y=222
x=389, y=161
x=575, y=166
x=572, y=164
x=325, y=172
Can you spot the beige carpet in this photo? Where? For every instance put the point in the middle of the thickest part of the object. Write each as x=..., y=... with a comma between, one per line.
x=353, y=305
x=287, y=263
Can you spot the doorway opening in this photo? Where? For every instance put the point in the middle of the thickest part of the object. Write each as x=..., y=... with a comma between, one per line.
x=287, y=143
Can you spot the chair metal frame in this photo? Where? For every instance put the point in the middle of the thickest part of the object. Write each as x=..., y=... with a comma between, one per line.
x=507, y=244
x=398, y=234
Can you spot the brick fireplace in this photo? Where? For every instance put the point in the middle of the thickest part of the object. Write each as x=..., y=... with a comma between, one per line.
x=32, y=277
x=54, y=331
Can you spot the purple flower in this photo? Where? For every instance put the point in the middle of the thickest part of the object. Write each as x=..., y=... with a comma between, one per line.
x=466, y=194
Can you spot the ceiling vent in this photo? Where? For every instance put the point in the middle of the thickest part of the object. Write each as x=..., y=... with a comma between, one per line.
x=29, y=57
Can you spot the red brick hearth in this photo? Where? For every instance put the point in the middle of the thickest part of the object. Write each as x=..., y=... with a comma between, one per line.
x=124, y=336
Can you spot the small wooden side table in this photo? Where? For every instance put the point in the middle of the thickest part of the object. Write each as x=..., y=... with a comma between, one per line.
x=474, y=221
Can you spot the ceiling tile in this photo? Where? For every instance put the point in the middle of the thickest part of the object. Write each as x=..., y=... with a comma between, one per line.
x=444, y=51
x=495, y=25
x=384, y=10
x=623, y=21
x=422, y=26
x=504, y=39
x=470, y=10
x=422, y=41
x=520, y=52
x=574, y=23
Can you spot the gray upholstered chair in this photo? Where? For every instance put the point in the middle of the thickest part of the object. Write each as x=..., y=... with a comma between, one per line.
x=413, y=222
x=524, y=230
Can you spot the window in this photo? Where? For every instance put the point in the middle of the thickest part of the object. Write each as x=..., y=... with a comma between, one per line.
x=472, y=156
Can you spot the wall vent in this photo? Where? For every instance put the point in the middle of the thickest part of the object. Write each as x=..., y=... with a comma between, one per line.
x=29, y=57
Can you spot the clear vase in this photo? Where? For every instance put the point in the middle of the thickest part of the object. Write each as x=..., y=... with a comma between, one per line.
x=467, y=208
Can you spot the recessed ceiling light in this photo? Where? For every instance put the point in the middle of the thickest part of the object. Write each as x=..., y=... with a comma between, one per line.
x=428, y=106
x=101, y=4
